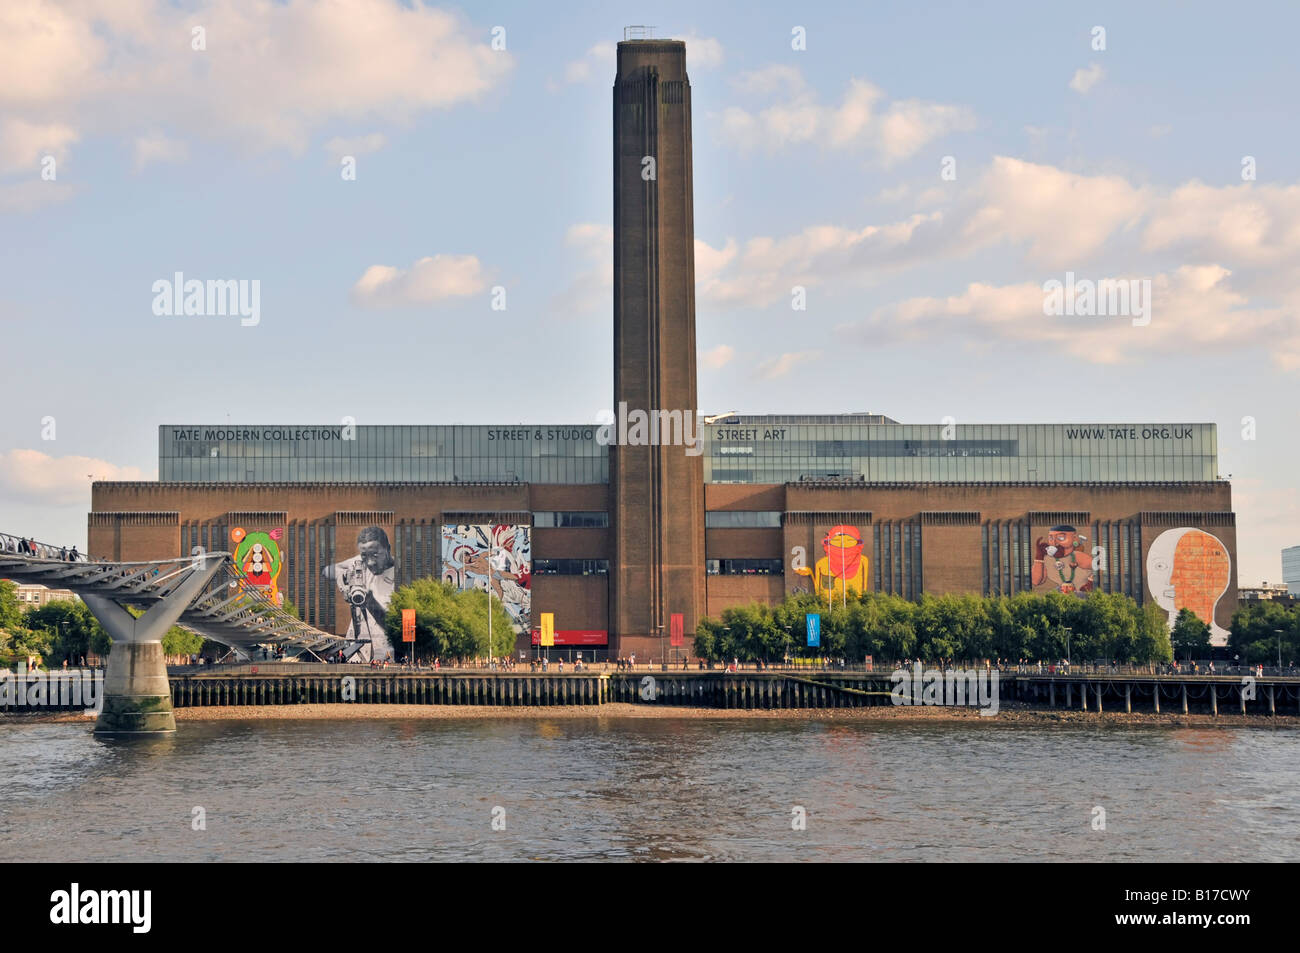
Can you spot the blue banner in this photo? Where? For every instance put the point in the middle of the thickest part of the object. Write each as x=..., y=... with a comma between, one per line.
x=814, y=625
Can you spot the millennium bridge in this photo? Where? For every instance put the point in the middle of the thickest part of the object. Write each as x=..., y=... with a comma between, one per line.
x=137, y=602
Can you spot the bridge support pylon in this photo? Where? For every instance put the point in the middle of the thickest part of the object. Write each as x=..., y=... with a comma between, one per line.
x=137, y=695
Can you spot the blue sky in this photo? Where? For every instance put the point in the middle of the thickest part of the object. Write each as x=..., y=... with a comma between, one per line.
x=478, y=168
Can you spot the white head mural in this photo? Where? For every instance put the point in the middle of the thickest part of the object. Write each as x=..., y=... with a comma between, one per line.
x=1188, y=568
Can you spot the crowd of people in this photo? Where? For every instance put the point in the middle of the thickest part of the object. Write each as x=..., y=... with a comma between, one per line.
x=22, y=546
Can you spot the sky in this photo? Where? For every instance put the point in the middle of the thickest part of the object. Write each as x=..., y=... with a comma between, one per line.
x=388, y=172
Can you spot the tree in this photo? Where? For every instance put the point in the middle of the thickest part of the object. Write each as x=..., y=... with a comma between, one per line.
x=450, y=622
x=1190, y=636
x=964, y=627
x=1152, y=642
x=178, y=641
x=11, y=611
x=1255, y=632
x=72, y=628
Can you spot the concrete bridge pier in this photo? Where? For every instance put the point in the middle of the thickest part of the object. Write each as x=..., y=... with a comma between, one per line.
x=137, y=695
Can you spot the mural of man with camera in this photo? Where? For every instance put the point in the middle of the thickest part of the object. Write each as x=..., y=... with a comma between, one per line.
x=367, y=581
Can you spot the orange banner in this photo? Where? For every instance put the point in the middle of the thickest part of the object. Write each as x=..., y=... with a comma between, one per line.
x=408, y=625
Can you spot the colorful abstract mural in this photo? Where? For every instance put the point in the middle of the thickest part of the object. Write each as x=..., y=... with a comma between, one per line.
x=502, y=553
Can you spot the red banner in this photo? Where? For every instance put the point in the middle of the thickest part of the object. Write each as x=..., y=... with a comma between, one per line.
x=675, y=630
x=408, y=625
x=575, y=637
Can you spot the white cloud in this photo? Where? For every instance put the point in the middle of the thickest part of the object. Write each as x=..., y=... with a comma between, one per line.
x=1063, y=217
x=710, y=261
x=1193, y=308
x=593, y=287
x=702, y=52
x=863, y=118
x=780, y=366
x=1251, y=223
x=341, y=146
x=24, y=144
x=271, y=75
x=428, y=281
x=767, y=269
x=157, y=147
x=718, y=356
x=1086, y=78
x=33, y=476
x=601, y=58
x=1060, y=219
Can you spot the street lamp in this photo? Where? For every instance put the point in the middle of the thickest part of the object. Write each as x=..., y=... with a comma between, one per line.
x=1068, y=630
x=1279, y=650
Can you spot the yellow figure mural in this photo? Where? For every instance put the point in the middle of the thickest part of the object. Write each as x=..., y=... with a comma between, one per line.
x=843, y=569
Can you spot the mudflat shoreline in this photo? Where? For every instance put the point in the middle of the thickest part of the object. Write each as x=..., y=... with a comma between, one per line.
x=1008, y=715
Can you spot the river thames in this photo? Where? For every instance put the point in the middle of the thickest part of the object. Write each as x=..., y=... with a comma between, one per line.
x=665, y=789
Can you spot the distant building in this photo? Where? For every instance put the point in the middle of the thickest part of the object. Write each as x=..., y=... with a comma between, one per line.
x=1291, y=569
x=31, y=596
x=1263, y=591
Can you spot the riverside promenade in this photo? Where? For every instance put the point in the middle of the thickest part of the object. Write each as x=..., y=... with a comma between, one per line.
x=277, y=683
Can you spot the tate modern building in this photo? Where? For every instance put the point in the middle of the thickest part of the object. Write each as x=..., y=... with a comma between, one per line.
x=630, y=541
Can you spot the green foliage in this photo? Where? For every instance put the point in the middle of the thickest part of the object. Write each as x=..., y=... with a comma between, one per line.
x=1190, y=636
x=70, y=629
x=1255, y=634
x=11, y=611
x=957, y=626
x=449, y=623
x=178, y=641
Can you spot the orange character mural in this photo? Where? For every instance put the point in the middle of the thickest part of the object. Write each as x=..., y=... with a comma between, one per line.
x=1189, y=568
x=843, y=569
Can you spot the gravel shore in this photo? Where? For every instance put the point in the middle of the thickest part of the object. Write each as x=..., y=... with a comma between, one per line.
x=1008, y=715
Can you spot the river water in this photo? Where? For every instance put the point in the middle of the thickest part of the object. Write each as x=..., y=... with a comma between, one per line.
x=641, y=789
